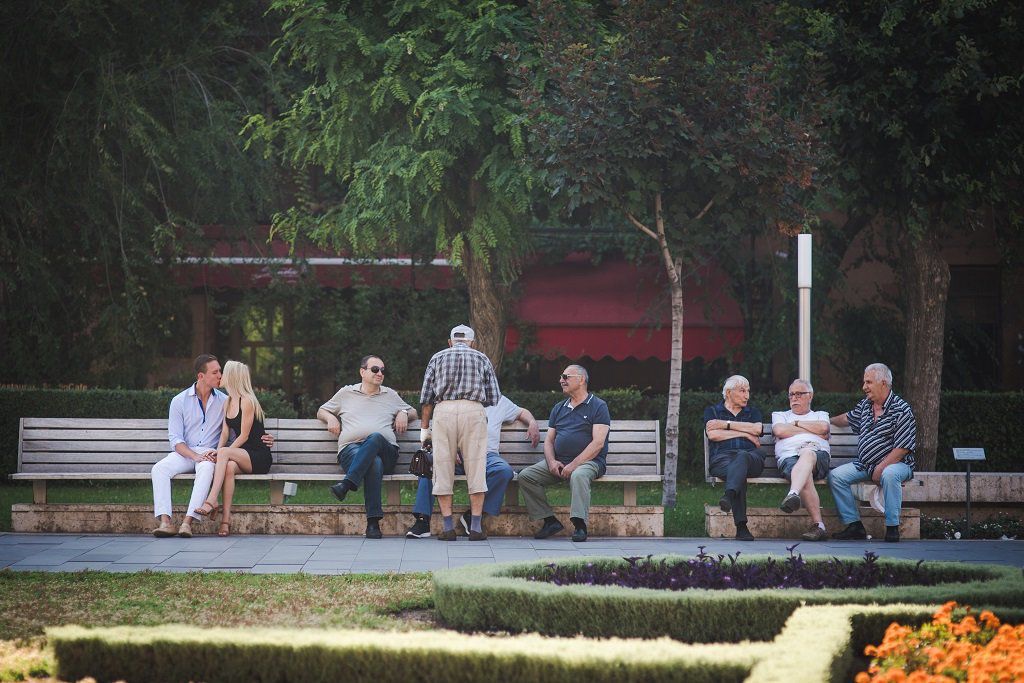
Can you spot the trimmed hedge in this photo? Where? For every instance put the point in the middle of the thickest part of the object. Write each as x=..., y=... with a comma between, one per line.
x=117, y=403
x=185, y=653
x=965, y=415
x=491, y=597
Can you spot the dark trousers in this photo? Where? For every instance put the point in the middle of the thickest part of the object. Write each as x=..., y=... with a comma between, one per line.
x=734, y=467
x=365, y=464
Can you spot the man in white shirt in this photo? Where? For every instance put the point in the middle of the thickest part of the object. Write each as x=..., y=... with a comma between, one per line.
x=499, y=473
x=802, y=454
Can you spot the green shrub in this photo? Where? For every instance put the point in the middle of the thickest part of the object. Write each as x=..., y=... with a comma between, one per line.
x=181, y=653
x=488, y=597
x=117, y=403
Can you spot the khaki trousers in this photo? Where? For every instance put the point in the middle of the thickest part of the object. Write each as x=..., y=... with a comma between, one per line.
x=535, y=478
x=459, y=426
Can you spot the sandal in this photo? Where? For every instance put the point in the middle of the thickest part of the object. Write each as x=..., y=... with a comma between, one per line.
x=207, y=509
x=224, y=529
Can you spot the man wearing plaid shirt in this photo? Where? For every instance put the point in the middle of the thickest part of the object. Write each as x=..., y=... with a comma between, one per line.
x=458, y=384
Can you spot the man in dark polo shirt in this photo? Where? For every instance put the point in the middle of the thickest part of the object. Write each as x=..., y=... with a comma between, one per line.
x=575, y=449
x=886, y=438
x=734, y=434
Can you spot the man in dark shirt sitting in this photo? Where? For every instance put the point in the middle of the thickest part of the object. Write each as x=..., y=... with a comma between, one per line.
x=575, y=449
x=734, y=434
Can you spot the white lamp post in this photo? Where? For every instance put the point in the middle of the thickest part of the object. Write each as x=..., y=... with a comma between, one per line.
x=803, y=282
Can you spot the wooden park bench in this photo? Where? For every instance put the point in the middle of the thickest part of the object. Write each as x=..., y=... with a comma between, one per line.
x=79, y=449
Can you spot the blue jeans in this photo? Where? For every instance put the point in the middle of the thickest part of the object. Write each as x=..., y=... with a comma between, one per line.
x=365, y=464
x=499, y=474
x=843, y=477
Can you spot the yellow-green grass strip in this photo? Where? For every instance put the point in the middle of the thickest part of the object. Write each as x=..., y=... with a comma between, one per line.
x=492, y=597
x=182, y=653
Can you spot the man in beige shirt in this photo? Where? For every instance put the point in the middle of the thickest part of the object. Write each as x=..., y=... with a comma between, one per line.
x=365, y=418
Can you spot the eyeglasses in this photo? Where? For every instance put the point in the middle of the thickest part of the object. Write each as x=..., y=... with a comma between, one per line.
x=375, y=369
x=798, y=394
x=565, y=376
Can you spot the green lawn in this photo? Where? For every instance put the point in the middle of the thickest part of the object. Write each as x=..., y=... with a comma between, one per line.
x=686, y=519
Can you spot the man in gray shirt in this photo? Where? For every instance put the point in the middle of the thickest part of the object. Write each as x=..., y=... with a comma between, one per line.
x=365, y=418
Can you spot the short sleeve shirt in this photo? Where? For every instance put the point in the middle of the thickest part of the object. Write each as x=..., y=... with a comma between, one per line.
x=574, y=429
x=718, y=411
x=497, y=415
x=896, y=427
x=790, y=445
x=364, y=414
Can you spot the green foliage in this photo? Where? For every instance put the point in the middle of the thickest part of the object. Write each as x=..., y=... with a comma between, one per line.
x=997, y=526
x=16, y=403
x=119, y=138
x=486, y=597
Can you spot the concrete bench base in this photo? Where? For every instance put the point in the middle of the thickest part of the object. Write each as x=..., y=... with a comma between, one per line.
x=344, y=520
x=774, y=523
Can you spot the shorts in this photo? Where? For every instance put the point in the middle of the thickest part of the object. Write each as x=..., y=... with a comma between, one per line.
x=821, y=467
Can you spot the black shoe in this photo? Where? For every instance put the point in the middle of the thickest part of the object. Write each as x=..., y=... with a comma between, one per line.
x=447, y=535
x=549, y=529
x=477, y=536
x=791, y=503
x=421, y=529
x=373, y=529
x=579, y=535
x=743, y=533
x=340, y=490
x=854, y=531
x=725, y=502
x=466, y=520
x=892, y=534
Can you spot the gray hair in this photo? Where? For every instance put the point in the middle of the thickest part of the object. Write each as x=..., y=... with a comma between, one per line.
x=881, y=371
x=805, y=382
x=734, y=382
x=583, y=371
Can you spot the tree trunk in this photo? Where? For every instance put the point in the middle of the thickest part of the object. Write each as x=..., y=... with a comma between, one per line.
x=926, y=288
x=488, y=308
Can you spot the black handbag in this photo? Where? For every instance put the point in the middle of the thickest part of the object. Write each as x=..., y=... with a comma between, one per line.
x=422, y=464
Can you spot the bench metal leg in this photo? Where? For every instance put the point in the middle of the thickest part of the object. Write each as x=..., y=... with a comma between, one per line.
x=39, y=492
x=512, y=494
x=629, y=494
x=277, y=493
x=394, y=492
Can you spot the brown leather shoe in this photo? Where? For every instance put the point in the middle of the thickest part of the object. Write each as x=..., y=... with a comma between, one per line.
x=447, y=536
x=477, y=535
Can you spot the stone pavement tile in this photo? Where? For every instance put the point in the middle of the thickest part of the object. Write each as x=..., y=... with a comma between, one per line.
x=15, y=553
x=301, y=540
x=375, y=567
x=86, y=542
x=510, y=542
x=144, y=558
x=515, y=555
x=468, y=549
x=188, y=559
x=98, y=556
x=82, y=566
x=430, y=566
x=319, y=564
x=276, y=569
x=35, y=568
x=293, y=554
x=173, y=570
x=231, y=562
x=465, y=561
x=49, y=558
x=342, y=541
x=325, y=572
x=39, y=539
x=128, y=568
x=333, y=554
x=426, y=551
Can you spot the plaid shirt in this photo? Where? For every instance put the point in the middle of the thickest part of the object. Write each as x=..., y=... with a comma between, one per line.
x=894, y=428
x=460, y=372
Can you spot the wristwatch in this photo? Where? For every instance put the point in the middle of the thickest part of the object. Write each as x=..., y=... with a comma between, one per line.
x=728, y=425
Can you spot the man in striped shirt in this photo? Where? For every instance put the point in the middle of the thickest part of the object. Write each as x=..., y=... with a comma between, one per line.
x=886, y=438
x=458, y=384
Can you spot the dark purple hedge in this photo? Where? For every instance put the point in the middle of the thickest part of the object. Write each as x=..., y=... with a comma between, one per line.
x=724, y=571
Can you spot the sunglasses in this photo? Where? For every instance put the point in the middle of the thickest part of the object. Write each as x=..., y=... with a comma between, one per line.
x=798, y=394
x=375, y=369
x=566, y=377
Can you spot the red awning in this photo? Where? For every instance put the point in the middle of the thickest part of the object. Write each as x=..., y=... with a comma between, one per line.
x=617, y=309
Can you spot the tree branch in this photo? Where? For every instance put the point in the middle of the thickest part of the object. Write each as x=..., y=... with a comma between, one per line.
x=705, y=209
x=643, y=228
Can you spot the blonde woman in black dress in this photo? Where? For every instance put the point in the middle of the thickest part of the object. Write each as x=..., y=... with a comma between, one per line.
x=243, y=419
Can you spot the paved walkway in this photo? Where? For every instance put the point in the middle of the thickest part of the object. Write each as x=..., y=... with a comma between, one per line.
x=354, y=554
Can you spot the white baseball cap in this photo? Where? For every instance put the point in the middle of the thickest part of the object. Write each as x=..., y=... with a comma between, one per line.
x=462, y=333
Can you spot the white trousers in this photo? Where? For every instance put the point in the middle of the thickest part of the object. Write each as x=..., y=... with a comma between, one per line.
x=175, y=464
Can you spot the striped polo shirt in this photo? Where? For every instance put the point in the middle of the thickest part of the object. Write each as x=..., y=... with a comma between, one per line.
x=894, y=428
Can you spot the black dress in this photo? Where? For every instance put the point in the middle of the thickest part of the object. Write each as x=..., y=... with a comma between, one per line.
x=259, y=452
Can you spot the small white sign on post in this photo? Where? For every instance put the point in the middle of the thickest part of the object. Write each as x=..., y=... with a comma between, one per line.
x=968, y=453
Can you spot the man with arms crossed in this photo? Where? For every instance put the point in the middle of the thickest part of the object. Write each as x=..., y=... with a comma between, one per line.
x=575, y=449
x=193, y=429
x=802, y=454
x=365, y=417
x=886, y=438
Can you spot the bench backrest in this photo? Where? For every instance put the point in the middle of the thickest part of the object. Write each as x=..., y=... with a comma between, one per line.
x=106, y=446
x=842, y=447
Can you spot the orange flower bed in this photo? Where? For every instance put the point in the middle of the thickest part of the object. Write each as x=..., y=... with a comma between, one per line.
x=971, y=649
